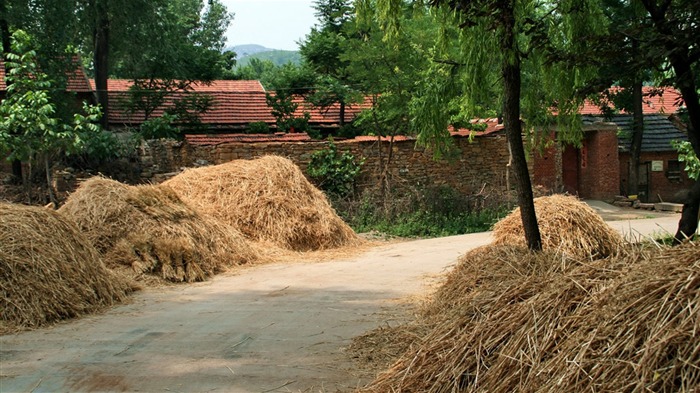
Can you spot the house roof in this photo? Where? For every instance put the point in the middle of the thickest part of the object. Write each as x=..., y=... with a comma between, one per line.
x=659, y=131
x=218, y=139
x=493, y=128
x=656, y=100
x=235, y=104
x=77, y=81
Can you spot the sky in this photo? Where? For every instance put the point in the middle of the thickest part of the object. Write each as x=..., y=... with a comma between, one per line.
x=276, y=24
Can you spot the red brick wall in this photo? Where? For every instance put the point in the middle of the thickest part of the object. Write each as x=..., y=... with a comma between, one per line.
x=660, y=185
x=544, y=168
x=598, y=167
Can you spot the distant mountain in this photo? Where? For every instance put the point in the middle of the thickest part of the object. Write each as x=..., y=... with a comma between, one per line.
x=246, y=50
x=277, y=57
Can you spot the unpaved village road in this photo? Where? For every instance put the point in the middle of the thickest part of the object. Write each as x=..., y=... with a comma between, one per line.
x=269, y=328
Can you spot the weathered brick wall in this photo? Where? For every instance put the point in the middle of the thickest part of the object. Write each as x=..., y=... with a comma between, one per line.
x=599, y=165
x=597, y=171
x=481, y=162
x=660, y=186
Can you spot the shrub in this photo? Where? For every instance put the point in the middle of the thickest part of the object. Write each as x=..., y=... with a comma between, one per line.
x=333, y=171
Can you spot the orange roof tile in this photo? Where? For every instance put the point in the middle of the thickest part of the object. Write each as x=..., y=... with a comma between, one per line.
x=217, y=139
x=77, y=81
x=668, y=101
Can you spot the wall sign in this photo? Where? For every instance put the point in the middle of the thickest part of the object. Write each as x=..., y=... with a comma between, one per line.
x=657, y=166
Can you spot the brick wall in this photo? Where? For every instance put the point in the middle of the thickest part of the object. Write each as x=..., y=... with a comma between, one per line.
x=660, y=184
x=481, y=162
x=597, y=166
x=600, y=169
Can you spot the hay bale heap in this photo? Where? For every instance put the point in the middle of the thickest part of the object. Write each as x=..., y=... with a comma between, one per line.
x=542, y=322
x=566, y=224
x=49, y=271
x=269, y=200
x=148, y=229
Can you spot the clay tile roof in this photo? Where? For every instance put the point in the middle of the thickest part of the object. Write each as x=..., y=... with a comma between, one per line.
x=659, y=131
x=217, y=139
x=233, y=102
x=330, y=116
x=668, y=101
x=77, y=81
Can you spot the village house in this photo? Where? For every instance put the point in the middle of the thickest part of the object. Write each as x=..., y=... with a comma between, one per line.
x=599, y=168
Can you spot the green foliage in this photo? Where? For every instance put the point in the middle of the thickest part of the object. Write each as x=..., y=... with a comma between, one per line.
x=686, y=154
x=258, y=127
x=160, y=127
x=284, y=109
x=274, y=57
x=432, y=212
x=29, y=129
x=334, y=171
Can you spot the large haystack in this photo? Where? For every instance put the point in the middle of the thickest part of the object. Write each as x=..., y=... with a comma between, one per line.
x=268, y=199
x=541, y=322
x=49, y=271
x=150, y=230
x=566, y=224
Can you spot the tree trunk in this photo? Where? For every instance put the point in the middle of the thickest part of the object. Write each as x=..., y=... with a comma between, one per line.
x=511, y=117
x=679, y=58
x=342, y=114
x=101, y=38
x=688, y=223
x=6, y=48
x=637, y=136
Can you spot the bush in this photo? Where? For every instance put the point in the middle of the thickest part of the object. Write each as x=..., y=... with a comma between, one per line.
x=259, y=127
x=333, y=171
x=432, y=212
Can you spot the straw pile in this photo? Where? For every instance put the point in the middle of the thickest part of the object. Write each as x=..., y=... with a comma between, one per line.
x=566, y=224
x=148, y=229
x=510, y=320
x=269, y=200
x=49, y=271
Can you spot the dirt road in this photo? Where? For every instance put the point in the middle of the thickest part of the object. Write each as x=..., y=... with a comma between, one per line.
x=270, y=328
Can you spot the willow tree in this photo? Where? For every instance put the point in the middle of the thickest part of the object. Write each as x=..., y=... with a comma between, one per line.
x=516, y=47
x=675, y=38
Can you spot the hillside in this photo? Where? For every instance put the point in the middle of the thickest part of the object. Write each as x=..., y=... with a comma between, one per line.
x=277, y=57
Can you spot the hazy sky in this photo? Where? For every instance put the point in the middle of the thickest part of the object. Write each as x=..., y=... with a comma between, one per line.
x=276, y=24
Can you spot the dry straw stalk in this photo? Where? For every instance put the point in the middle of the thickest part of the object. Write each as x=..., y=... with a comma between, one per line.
x=268, y=199
x=566, y=224
x=49, y=271
x=148, y=229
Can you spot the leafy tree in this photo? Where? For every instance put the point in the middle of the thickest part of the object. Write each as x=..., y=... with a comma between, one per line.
x=322, y=50
x=516, y=44
x=29, y=130
x=287, y=83
x=334, y=171
x=675, y=29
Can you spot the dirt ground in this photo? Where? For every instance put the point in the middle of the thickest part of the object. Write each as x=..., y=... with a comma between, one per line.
x=270, y=328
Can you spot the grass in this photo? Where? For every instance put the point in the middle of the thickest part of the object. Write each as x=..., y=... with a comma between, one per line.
x=434, y=212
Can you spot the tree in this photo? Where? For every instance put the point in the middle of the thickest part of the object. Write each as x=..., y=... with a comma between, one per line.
x=523, y=41
x=677, y=25
x=322, y=50
x=29, y=130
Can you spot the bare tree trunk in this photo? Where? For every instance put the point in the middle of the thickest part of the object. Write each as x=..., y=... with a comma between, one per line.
x=637, y=136
x=49, y=184
x=101, y=41
x=681, y=62
x=511, y=116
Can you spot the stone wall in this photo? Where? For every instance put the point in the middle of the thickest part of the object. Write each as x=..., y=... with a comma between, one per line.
x=482, y=161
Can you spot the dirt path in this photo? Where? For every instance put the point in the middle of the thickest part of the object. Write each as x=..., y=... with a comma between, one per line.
x=271, y=328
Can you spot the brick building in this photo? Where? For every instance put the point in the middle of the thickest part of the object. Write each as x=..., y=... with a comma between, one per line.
x=599, y=168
